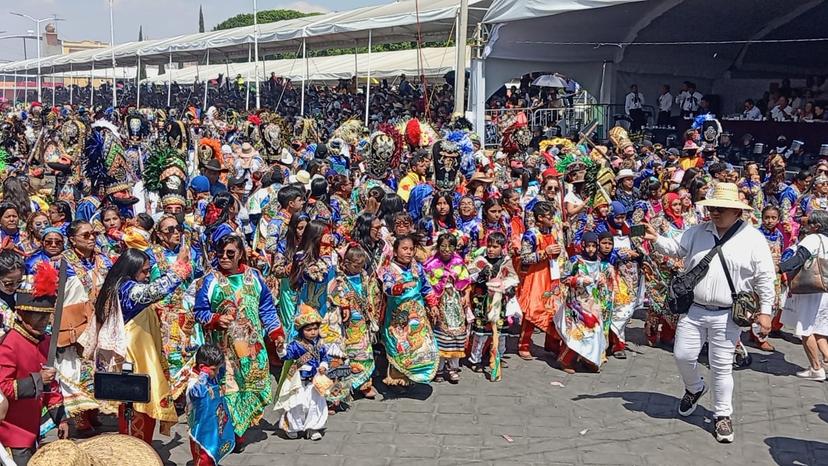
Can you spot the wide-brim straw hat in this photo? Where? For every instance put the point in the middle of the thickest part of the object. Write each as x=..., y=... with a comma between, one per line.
x=102, y=450
x=725, y=195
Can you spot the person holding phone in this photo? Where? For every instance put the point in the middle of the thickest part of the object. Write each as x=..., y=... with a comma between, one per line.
x=748, y=261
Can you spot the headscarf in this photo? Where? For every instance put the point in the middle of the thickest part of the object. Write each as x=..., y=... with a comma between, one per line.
x=48, y=230
x=589, y=237
x=667, y=205
x=616, y=208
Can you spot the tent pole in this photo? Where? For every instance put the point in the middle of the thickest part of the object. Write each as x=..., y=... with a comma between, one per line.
x=304, y=75
x=71, y=70
x=356, y=67
x=4, y=86
x=169, y=82
x=206, y=82
x=256, y=52
x=368, y=79
x=26, y=92
x=138, y=83
x=247, y=82
x=460, y=66
x=52, y=79
x=14, y=99
x=92, y=89
x=112, y=52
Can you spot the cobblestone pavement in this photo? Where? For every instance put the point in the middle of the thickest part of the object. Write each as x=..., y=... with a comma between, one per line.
x=624, y=415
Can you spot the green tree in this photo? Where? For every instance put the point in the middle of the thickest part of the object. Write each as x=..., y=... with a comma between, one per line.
x=265, y=16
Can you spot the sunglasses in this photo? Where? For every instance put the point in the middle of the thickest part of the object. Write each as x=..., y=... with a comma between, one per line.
x=171, y=229
x=85, y=235
x=53, y=242
x=41, y=224
x=228, y=253
x=717, y=209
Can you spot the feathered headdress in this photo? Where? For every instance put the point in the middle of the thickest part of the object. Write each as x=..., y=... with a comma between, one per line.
x=571, y=162
x=38, y=292
x=210, y=149
x=350, y=131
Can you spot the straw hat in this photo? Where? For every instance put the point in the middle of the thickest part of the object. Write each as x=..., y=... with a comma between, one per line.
x=725, y=195
x=103, y=450
x=624, y=173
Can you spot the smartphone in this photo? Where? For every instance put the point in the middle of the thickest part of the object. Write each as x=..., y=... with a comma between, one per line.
x=637, y=230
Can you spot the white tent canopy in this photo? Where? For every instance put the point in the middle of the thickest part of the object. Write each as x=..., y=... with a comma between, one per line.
x=435, y=62
x=395, y=22
x=634, y=40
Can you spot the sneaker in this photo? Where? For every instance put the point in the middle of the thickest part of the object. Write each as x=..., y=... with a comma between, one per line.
x=689, y=401
x=724, y=429
x=811, y=374
x=316, y=435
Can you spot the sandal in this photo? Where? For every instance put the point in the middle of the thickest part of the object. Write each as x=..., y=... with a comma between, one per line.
x=453, y=377
x=525, y=355
x=620, y=354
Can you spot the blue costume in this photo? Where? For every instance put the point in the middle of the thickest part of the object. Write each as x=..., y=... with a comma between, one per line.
x=211, y=426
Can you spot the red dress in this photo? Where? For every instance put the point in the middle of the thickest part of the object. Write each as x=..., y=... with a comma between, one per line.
x=21, y=356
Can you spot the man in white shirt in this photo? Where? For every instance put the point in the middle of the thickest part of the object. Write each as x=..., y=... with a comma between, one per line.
x=782, y=111
x=748, y=261
x=665, y=105
x=633, y=106
x=689, y=99
x=751, y=112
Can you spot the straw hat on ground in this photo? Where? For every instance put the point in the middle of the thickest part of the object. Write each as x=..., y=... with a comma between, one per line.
x=102, y=450
x=725, y=195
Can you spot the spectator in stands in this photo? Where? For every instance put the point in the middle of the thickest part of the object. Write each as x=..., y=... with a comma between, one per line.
x=634, y=108
x=781, y=111
x=751, y=112
x=665, y=105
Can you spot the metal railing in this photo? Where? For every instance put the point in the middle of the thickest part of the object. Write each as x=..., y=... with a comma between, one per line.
x=565, y=120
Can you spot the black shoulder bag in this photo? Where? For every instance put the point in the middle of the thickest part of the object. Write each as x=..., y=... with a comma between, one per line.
x=745, y=303
x=680, y=291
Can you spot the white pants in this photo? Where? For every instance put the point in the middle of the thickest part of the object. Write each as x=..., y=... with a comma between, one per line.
x=715, y=327
x=478, y=341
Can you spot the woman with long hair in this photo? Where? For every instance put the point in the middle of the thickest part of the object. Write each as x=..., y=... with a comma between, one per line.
x=128, y=328
x=279, y=277
x=15, y=193
x=37, y=222
x=235, y=308
x=442, y=218
x=313, y=266
x=220, y=218
x=317, y=206
x=367, y=233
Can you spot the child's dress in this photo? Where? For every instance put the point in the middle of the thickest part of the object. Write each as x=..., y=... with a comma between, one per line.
x=584, y=324
x=305, y=408
x=494, y=282
x=211, y=427
x=448, y=280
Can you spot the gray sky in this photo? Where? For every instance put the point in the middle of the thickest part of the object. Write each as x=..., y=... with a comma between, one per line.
x=89, y=19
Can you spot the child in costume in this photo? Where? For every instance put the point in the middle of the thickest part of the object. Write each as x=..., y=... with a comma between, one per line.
x=211, y=427
x=302, y=394
x=353, y=312
x=770, y=228
x=584, y=322
x=449, y=278
x=494, y=284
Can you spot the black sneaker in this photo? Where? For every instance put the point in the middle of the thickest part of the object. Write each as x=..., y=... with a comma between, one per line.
x=689, y=401
x=724, y=429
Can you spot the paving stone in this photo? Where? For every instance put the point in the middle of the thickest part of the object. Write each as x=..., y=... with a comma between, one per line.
x=626, y=413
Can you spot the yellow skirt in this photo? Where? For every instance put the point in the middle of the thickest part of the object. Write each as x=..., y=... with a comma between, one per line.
x=144, y=350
